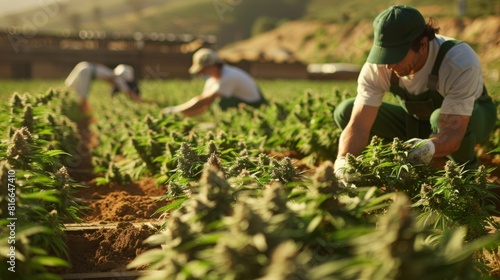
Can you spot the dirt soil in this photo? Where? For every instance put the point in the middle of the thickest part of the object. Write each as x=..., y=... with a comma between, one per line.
x=132, y=202
x=106, y=249
x=123, y=205
x=111, y=249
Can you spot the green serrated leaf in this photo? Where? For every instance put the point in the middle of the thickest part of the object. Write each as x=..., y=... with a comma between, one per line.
x=53, y=153
x=48, y=195
x=172, y=205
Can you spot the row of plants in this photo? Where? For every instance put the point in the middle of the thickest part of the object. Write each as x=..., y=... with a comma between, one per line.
x=281, y=224
x=37, y=191
x=139, y=141
x=224, y=178
x=41, y=139
x=398, y=221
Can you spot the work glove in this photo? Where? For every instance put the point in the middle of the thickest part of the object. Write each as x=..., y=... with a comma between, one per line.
x=421, y=151
x=344, y=177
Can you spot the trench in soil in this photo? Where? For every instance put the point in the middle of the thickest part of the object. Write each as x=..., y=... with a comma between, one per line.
x=117, y=220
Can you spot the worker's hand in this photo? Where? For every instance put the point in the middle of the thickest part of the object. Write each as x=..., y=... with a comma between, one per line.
x=344, y=177
x=421, y=151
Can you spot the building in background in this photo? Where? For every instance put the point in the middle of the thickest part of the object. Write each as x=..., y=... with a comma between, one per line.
x=153, y=55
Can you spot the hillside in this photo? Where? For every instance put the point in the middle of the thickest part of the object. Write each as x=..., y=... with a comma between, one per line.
x=319, y=42
x=168, y=16
x=313, y=30
x=229, y=20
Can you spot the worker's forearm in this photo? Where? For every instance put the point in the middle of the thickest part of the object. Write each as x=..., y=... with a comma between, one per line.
x=193, y=106
x=352, y=141
x=445, y=143
x=188, y=104
x=194, y=110
x=452, y=129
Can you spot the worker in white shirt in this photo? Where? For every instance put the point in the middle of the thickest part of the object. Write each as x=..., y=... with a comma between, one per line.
x=121, y=79
x=231, y=85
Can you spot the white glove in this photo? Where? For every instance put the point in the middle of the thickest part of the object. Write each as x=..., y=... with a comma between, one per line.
x=344, y=177
x=421, y=152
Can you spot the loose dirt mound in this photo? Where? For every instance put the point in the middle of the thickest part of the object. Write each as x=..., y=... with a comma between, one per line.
x=106, y=249
x=111, y=249
x=132, y=202
x=121, y=206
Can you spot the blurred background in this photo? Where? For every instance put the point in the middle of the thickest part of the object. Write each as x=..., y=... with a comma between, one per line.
x=296, y=39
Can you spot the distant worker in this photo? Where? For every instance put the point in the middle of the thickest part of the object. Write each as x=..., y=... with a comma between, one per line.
x=444, y=108
x=232, y=85
x=121, y=78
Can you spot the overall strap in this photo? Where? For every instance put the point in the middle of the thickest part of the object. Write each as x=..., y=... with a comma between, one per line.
x=433, y=77
x=394, y=79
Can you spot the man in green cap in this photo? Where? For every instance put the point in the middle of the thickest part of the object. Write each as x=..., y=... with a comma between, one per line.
x=444, y=107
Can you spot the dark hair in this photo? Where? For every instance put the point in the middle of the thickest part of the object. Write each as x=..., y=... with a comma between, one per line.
x=430, y=32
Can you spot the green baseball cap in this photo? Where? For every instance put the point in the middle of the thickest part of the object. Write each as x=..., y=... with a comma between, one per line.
x=395, y=29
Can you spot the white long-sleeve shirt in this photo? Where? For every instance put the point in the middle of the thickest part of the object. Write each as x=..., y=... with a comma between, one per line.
x=82, y=74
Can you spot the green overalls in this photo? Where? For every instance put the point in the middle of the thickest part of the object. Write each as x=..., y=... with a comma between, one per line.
x=417, y=115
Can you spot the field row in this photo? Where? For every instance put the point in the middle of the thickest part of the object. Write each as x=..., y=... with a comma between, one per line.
x=249, y=193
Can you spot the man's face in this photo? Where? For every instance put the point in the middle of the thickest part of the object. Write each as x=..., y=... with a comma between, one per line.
x=406, y=66
x=413, y=61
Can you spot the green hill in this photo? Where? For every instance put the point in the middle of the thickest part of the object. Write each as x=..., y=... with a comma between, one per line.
x=356, y=10
x=230, y=20
x=169, y=16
